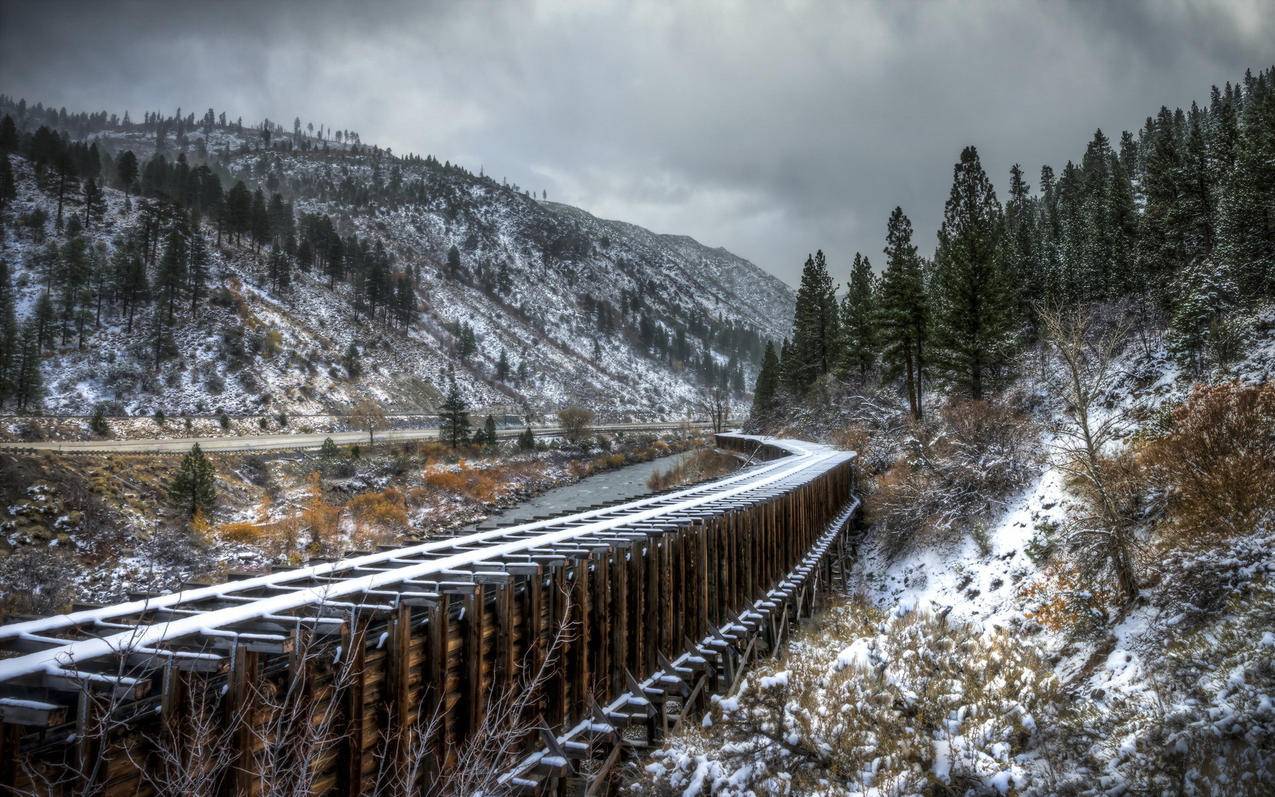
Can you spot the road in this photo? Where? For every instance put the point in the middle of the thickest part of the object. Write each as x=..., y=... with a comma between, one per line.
x=298, y=441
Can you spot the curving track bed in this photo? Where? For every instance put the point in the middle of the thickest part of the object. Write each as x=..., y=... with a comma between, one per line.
x=582, y=634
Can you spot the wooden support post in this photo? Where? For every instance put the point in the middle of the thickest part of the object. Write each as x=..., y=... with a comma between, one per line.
x=241, y=704
x=399, y=693
x=475, y=686
x=351, y=670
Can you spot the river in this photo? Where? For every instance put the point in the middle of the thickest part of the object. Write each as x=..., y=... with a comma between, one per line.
x=613, y=485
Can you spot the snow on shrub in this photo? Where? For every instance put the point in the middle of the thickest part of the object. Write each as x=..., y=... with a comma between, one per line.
x=869, y=704
x=958, y=470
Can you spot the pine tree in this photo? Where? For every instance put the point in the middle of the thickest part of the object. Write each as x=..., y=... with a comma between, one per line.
x=44, y=316
x=858, y=321
x=527, y=440
x=350, y=361
x=94, y=203
x=766, y=389
x=1205, y=321
x=131, y=285
x=9, y=353
x=171, y=276
x=126, y=172
x=8, y=135
x=453, y=416
x=903, y=310
x=198, y=269
x=1161, y=249
x=8, y=187
x=28, y=386
x=194, y=487
x=489, y=431
x=973, y=307
x=814, y=328
x=1019, y=249
x=1246, y=235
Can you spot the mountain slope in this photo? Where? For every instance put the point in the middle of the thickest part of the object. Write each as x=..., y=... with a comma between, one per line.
x=580, y=309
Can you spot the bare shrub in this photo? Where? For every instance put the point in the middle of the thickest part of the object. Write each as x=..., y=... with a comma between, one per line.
x=1217, y=462
x=958, y=471
x=1102, y=538
x=904, y=704
x=576, y=423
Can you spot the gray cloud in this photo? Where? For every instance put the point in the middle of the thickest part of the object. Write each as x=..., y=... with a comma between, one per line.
x=771, y=128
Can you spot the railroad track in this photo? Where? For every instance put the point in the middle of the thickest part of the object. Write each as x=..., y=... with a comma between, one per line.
x=628, y=614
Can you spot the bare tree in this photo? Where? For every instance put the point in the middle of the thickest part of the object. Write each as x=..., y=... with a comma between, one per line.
x=367, y=415
x=715, y=401
x=575, y=422
x=1088, y=350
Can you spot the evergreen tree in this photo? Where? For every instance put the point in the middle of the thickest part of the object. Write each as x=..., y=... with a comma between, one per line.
x=194, y=487
x=766, y=389
x=8, y=135
x=453, y=417
x=489, y=431
x=8, y=187
x=453, y=260
x=1205, y=324
x=350, y=361
x=1246, y=234
x=198, y=270
x=1022, y=266
x=527, y=440
x=171, y=276
x=973, y=308
x=94, y=203
x=1161, y=249
x=903, y=310
x=126, y=172
x=9, y=351
x=502, y=366
x=815, y=329
x=237, y=210
x=131, y=285
x=858, y=321
x=28, y=385
x=44, y=316
x=259, y=220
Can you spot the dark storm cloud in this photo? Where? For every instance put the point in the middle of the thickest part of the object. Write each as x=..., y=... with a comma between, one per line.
x=769, y=128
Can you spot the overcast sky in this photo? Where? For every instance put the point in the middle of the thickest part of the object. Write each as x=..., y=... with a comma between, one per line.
x=770, y=128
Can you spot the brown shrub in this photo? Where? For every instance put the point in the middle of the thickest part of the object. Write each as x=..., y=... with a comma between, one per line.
x=476, y=484
x=386, y=508
x=1217, y=462
x=575, y=423
x=959, y=470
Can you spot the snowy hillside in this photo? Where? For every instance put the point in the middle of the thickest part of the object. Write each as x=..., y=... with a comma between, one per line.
x=541, y=305
x=977, y=655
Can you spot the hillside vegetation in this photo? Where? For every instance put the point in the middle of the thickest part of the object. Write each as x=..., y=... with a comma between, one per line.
x=199, y=267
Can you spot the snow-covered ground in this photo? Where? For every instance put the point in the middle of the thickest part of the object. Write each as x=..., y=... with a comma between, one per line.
x=533, y=274
x=951, y=645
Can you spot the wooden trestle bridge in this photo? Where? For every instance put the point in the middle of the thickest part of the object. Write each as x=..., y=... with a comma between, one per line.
x=535, y=652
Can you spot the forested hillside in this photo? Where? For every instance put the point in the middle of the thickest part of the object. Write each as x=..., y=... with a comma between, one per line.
x=198, y=266
x=1173, y=224
x=1065, y=422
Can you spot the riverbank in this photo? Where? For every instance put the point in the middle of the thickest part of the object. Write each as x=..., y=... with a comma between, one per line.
x=94, y=528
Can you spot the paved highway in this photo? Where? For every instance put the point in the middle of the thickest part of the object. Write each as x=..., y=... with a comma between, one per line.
x=268, y=442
